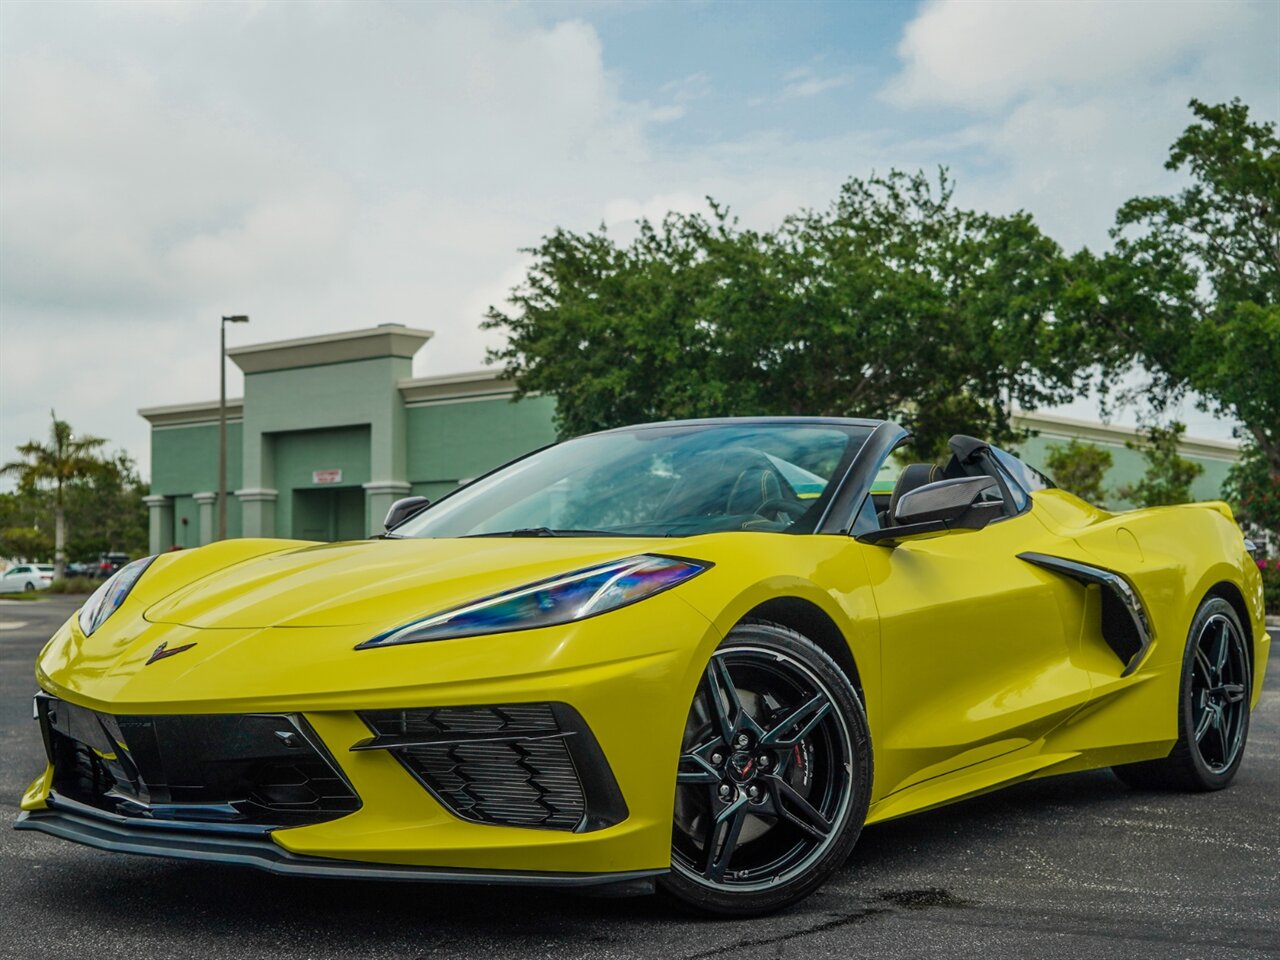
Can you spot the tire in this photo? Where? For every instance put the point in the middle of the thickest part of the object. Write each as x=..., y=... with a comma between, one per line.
x=28, y=587
x=1213, y=708
x=774, y=776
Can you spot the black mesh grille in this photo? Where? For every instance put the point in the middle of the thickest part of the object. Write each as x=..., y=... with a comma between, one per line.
x=524, y=765
x=515, y=718
x=254, y=769
x=523, y=784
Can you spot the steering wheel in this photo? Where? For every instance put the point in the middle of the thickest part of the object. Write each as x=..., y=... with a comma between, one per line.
x=781, y=506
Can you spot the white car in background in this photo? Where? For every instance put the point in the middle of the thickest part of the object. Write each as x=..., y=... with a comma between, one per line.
x=27, y=577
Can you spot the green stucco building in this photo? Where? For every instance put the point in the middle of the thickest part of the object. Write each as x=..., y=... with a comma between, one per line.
x=330, y=432
x=333, y=429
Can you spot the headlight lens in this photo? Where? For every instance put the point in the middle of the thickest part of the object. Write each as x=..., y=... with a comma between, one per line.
x=104, y=601
x=573, y=596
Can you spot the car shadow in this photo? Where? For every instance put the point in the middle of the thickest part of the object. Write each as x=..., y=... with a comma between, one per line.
x=178, y=900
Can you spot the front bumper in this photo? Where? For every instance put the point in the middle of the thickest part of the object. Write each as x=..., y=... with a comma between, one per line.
x=103, y=831
x=630, y=676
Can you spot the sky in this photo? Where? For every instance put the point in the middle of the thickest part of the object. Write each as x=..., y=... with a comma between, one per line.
x=328, y=166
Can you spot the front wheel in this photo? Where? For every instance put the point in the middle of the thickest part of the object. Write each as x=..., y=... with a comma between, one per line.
x=29, y=587
x=1213, y=707
x=774, y=776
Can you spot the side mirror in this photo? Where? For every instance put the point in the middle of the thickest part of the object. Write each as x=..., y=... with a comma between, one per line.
x=403, y=509
x=938, y=508
x=953, y=501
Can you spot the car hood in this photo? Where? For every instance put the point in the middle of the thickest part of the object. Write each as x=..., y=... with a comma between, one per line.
x=380, y=583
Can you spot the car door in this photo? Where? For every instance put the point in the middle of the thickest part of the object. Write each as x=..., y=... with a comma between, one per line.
x=976, y=654
x=14, y=579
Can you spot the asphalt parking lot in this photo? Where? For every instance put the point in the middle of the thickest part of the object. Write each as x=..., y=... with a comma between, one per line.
x=1077, y=866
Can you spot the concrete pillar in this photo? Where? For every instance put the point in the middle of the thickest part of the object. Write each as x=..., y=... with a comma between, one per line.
x=161, y=511
x=379, y=496
x=257, y=512
x=207, y=503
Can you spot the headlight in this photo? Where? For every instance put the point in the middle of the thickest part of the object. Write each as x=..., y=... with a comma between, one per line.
x=104, y=601
x=573, y=596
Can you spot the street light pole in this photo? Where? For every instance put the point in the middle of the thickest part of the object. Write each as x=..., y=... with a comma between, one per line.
x=222, y=426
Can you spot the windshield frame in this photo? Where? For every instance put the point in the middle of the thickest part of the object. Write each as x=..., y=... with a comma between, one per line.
x=822, y=505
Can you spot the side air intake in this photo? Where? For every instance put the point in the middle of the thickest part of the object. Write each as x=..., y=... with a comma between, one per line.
x=1125, y=625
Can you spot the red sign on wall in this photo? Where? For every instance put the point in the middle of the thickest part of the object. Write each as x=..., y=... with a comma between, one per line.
x=326, y=476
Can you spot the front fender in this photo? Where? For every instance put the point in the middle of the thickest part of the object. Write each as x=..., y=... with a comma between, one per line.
x=828, y=572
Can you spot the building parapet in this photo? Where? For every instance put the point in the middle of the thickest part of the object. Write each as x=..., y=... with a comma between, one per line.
x=416, y=391
x=188, y=414
x=1054, y=426
x=384, y=340
x=455, y=387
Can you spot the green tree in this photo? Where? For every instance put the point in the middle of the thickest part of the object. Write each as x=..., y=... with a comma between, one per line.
x=1253, y=487
x=892, y=302
x=1192, y=289
x=24, y=526
x=52, y=467
x=105, y=510
x=25, y=543
x=1168, y=476
x=1080, y=468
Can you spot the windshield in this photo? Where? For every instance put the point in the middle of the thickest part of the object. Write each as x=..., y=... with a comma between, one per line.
x=677, y=480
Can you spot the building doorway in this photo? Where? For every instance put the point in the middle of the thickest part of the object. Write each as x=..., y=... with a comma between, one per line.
x=331, y=513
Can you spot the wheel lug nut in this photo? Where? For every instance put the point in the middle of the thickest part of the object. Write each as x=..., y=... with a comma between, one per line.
x=753, y=791
x=763, y=761
x=717, y=758
x=741, y=741
x=726, y=791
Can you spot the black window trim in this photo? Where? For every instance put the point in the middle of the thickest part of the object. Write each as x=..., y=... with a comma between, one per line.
x=846, y=506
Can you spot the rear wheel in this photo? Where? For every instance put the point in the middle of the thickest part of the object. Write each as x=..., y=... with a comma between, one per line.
x=1213, y=707
x=774, y=776
x=29, y=587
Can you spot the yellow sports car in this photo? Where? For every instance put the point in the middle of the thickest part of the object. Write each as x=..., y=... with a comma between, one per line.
x=646, y=658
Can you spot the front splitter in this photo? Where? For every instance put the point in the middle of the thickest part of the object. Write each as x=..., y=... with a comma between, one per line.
x=118, y=835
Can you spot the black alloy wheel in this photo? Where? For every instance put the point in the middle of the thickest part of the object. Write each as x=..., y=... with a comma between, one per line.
x=1213, y=707
x=1219, y=694
x=774, y=775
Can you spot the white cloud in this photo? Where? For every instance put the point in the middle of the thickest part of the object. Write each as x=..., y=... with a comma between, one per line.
x=324, y=166
x=984, y=54
x=803, y=83
x=624, y=211
x=318, y=167
x=1068, y=109
x=103, y=181
x=695, y=86
x=807, y=82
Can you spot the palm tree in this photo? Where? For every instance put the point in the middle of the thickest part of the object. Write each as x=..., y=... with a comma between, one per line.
x=64, y=459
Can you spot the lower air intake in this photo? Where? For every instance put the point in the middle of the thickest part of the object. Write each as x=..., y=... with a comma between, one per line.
x=520, y=765
x=226, y=770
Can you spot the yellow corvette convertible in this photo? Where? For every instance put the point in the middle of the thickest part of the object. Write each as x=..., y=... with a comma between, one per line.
x=698, y=656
